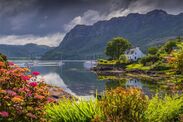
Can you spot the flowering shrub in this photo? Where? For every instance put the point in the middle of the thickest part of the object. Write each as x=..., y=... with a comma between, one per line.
x=22, y=95
x=124, y=105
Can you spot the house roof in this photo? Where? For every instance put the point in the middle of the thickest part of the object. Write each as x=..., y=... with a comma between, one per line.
x=131, y=51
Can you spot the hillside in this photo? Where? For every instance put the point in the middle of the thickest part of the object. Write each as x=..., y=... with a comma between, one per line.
x=28, y=50
x=84, y=42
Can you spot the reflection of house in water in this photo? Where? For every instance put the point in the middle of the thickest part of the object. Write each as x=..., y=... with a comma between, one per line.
x=134, y=83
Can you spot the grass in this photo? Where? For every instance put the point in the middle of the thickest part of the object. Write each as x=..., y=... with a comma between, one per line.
x=167, y=109
x=118, y=105
x=137, y=67
x=73, y=111
x=106, y=62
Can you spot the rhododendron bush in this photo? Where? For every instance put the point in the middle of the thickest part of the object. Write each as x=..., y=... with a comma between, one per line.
x=22, y=95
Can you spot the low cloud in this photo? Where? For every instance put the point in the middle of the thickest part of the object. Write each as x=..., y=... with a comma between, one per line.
x=50, y=40
x=88, y=18
x=123, y=8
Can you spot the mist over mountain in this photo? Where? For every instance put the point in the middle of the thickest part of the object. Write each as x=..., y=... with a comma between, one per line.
x=26, y=51
x=143, y=30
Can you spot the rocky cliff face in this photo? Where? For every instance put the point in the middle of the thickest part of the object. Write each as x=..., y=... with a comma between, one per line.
x=84, y=42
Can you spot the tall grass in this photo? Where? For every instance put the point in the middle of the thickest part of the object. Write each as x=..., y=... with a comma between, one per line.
x=119, y=105
x=73, y=111
x=166, y=109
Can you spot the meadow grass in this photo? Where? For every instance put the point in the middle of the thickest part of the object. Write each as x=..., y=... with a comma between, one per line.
x=73, y=111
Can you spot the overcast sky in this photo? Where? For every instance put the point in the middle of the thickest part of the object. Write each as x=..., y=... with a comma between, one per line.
x=47, y=21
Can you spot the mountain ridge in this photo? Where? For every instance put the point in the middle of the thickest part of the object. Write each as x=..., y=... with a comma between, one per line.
x=29, y=50
x=83, y=41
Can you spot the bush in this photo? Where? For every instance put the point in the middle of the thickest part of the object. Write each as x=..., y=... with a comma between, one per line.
x=3, y=58
x=126, y=105
x=74, y=111
x=149, y=59
x=22, y=96
x=152, y=50
x=167, y=109
x=170, y=45
x=161, y=66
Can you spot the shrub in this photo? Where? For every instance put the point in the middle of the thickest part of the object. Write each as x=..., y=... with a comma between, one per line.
x=22, y=96
x=179, y=61
x=123, y=58
x=126, y=105
x=167, y=109
x=73, y=111
x=161, y=66
x=170, y=45
x=3, y=58
x=152, y=50
x=149, y=59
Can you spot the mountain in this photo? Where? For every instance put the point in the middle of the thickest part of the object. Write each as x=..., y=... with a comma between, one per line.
x=83, y=42
x=27, y=51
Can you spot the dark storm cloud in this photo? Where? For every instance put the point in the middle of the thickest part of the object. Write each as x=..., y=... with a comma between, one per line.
x=53, y=17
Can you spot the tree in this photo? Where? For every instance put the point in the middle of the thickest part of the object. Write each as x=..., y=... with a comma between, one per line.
x=152, y=50
x=116, y=47
x=170, y=45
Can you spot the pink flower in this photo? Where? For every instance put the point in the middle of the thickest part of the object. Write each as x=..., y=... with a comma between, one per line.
x=33, y=84
x=49, y=100
x=10, y=92
x=29, y=95
x=23, y=89
x=4, y=114
x=36, y=73
x=25, y=77
x=10, y=63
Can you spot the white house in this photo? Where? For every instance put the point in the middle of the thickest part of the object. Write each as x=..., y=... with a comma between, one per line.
x=134, y=54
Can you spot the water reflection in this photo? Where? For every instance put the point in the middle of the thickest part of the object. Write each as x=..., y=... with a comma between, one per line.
x=134, y=83
x=148, y=87
x=76, y=78
x=53, y=78
x=73, y=77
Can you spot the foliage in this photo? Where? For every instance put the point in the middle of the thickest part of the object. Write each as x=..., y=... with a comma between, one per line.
x=22, y=96
x=73, y=111
x=149, y=60
x=106, y=62
x=124, y=105
x=137, y=67
x=165, y=109
x=170, y=45
x=116, y=47
x=179, y=61
x=123, y=58
x=152, y=50
x=159, y=66
x=3, y=58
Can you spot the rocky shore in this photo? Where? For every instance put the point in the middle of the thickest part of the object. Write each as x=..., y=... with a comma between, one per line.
x=58, y=93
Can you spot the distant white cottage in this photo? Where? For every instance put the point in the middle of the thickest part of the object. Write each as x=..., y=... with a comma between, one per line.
x=134, y=54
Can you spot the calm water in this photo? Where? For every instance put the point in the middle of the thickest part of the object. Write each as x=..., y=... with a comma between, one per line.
x=73, y=76
x=76, y=78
